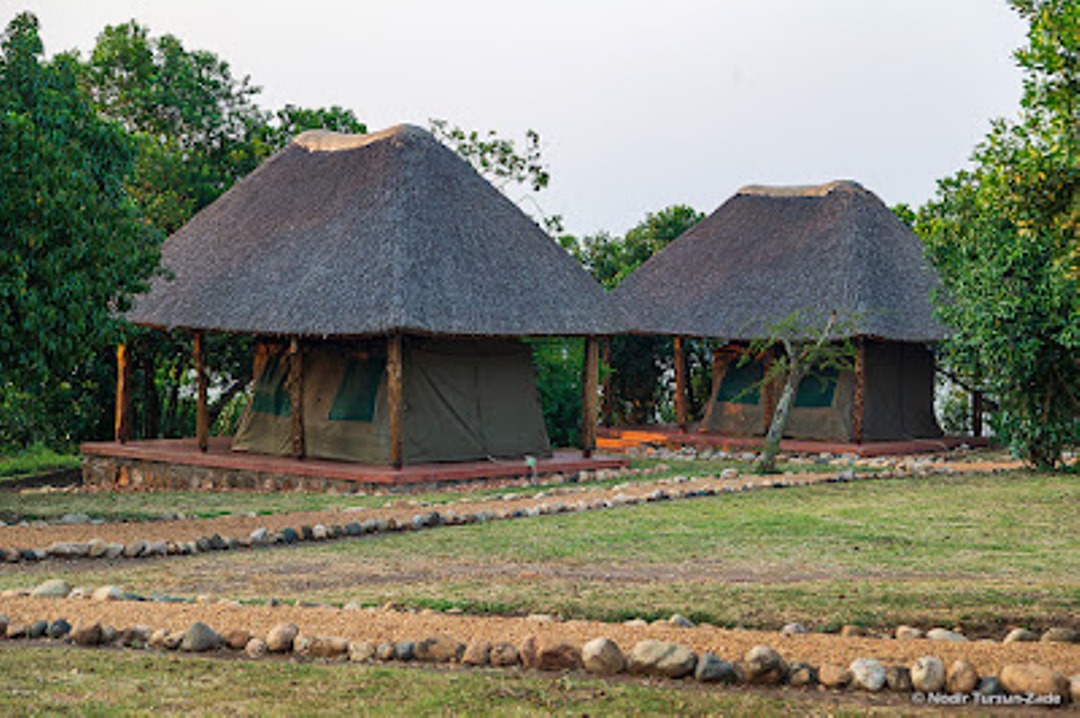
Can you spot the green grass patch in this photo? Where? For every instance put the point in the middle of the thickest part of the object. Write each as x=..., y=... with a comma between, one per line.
x=979, y=549
x=53, y=680
x=152, y=506
x=34, y=460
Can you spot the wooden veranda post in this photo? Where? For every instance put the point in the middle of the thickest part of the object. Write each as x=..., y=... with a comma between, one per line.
x=296, y=398
x=395, y=398
x=682, y=413
x=859, y=399
x=202, y=414
x=123, y=394
x=590, y=389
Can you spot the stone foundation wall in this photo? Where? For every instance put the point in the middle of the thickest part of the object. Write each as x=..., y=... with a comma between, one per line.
x=126, y=474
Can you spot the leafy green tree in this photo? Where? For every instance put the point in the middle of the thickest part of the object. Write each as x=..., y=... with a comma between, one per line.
x=611, y=258
x=558, y=362
x=73, y=246
x=500, y=161
x=197, y=130
x=638, y=363
x=1004, y=237
x=804, y=350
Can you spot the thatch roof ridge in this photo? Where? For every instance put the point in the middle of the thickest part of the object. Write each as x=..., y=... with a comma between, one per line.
x=355, y=235
x=768, y=253
x=330, y=141
x=802, y=190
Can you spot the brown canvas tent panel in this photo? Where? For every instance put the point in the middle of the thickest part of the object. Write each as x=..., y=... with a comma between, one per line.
x=464, y=399
x=897, y=399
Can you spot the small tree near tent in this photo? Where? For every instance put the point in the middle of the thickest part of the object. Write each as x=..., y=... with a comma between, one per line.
x=804, y=350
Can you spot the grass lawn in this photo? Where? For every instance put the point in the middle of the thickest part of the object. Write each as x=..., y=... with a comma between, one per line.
x=161, y=505
x=55, y=680
x=979, y=550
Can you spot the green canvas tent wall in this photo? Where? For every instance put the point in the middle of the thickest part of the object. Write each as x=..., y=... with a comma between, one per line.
x=464, y=399
x=770, y=253
x=897, y=398
x=348, y=245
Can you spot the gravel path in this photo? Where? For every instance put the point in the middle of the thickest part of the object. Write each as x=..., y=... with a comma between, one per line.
x=988, y=657
x=388, y=625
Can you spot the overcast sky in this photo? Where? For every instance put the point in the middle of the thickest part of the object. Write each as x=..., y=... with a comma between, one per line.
x=640, y=104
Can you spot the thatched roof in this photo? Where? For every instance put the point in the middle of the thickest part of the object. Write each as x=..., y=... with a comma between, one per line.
x=354, y=235
x=770, y=252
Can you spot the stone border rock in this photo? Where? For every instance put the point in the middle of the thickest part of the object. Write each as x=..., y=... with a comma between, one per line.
x=445, y=516
x=925, y=679
x=60, y=588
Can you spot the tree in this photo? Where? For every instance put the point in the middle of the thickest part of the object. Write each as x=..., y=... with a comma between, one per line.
x=197, y=130
x=74, y=248
x=1004, y=237
x=804, y=351
x=499, y=160
x=638, y=363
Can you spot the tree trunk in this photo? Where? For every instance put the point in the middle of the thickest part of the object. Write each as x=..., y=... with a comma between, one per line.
x=607, y=408
x=151, y=424
x=223, y=401
x=767, y=463
x=202, y=417
x=172, y=406
x=682, y=414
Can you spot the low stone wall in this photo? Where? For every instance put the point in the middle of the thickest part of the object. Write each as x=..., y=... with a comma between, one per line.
x=113, y=473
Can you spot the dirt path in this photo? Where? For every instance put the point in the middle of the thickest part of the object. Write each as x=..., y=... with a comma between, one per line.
x=382, y=625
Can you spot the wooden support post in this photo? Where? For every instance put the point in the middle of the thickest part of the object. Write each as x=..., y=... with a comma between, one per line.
x=858, y=401
x=123, y=394
x=296, y=398
x=395, y=397
x=202, y=414
x=590, y=385
x=976, y=413
x=682, y=413
x=607, y=407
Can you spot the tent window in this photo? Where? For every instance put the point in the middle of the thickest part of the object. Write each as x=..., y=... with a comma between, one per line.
x=271, y=395
x=741, y=384
x=816, y=391
x=355, y=398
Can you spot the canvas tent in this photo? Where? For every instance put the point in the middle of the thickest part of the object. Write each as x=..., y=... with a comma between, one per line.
x=466, y=399
x=389, y=286
x=770, y=253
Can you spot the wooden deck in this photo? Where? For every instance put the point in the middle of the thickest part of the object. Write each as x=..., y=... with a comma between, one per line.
x=618, y=439
x=172, y=463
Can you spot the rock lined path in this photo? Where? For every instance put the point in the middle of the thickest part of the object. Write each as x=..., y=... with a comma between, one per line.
x=551, y=499
x=988, y=657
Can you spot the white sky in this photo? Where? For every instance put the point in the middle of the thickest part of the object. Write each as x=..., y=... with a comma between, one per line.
x=640, y=104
